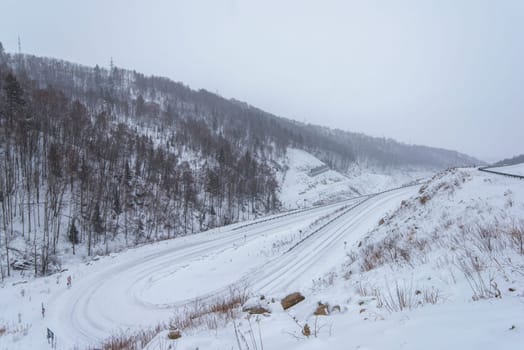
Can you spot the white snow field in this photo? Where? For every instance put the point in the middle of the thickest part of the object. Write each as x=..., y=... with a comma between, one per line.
x=142, y=286
x=438, y=266
x=517, y=169
x=300, y=189
x=443, y=269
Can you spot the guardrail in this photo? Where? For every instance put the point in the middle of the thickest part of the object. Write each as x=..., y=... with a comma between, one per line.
x=294, y=212
x=347, y=210
x=485, y=169
x=298, y=211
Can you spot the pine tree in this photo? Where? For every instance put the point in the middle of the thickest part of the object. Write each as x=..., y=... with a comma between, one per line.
x=3, y=56
x=117, y=208
x=98, y=77
x=96, y=220
x=14, y=98
x=140, y=106
x=73, y=233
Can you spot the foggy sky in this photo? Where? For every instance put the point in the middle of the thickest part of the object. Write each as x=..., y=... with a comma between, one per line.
x=446, y=73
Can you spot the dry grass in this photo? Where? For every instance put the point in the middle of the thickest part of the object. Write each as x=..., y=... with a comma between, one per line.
x=516, y=236
x=130, y=341
x=14, y=329
x=480, y=242
x=424, y=199
x=482, y=286
x=478, y=250
x=430, y=296
x=363, y=290
x=324, y=282
x=249, y=339
x=482, y=251
x=401, y=298
x=389, y=250
x=404, y=297
x=492, y=239
x=210, y=314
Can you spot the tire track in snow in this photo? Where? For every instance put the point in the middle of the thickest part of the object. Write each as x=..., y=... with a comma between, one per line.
x=280, y=274
x=85, y=315
x=81, y=315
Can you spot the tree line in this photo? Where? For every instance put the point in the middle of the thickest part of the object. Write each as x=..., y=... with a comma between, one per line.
x=102, y=158
x=75, y=174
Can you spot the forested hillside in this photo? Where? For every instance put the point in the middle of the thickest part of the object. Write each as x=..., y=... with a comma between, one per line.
x=93, y=159
x=510, y=161
x=74, y=169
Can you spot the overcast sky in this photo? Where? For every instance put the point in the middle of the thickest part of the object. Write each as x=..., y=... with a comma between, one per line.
x=446, y=73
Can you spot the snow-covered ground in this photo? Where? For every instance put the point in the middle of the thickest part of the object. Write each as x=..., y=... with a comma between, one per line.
x=300, y=189
x=143, y=286
x=517, y=169
x=368, y=179
x=422, y=267
x=485, y=324
x=442, y=269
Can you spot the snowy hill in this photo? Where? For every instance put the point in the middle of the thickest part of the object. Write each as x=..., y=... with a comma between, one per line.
x=460, y=234
x=510, y=161
x=158, y=102
x=305, y=180
x=300, y=187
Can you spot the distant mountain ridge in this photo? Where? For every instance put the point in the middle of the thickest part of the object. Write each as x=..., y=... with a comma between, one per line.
x=122, y=88
x=510, y=161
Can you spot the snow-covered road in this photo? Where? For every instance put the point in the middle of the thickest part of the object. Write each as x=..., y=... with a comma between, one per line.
x=142, y=287
x=323, y=250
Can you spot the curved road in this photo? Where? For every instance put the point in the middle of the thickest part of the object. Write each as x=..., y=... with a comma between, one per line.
x=143, y=286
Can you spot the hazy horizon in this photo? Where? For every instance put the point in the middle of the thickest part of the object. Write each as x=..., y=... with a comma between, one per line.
x=440, y=74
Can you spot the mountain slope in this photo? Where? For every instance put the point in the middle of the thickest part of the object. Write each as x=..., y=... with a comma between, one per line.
x=155, y=99
x=510, y=161
x=96, y=160
x=306, y=181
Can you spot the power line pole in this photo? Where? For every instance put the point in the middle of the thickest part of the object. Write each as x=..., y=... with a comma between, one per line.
x=19, y=58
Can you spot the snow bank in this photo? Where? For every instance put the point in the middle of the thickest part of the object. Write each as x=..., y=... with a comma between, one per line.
x=517, y=169
x=441, y=270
